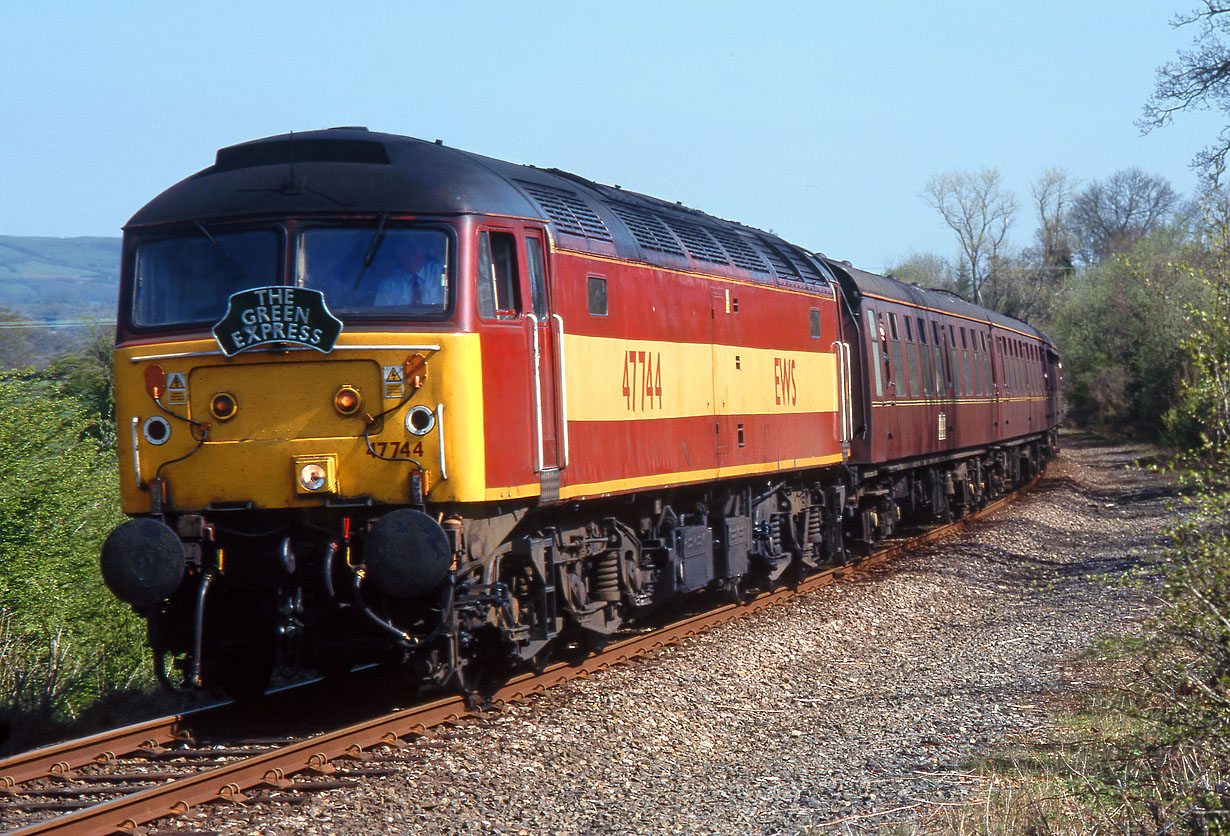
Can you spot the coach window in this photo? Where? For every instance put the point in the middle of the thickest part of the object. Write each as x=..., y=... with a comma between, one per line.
x=986, y=364
x=924, y=359
x=966, y=382
x=892, y=353
x=937, y=359
x=950, y=362
x=499, y=291
x=875, y=355
x=892, y=326
x=909, y=336
x=538, y=278
x=911, y=359
x=1000, y=364
x=595, y=294
x=1016, y=366
x=813, y=317
x=975, y=363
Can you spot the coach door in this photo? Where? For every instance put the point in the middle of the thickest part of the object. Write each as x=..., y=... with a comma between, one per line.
x=547, y=327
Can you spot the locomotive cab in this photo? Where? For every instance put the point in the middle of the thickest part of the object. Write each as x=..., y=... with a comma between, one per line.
x=286, y=387
x=316, y=410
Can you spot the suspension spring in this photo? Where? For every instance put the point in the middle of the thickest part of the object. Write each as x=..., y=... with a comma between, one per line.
x=814, y=533
x=606, y=577
x=775, y=534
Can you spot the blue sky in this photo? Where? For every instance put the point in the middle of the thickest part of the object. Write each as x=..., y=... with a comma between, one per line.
x=818, y=120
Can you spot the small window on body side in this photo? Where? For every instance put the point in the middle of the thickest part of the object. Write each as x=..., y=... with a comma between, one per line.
x=595, y=287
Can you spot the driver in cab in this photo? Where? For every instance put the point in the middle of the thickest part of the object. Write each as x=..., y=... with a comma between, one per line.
x=413, y=278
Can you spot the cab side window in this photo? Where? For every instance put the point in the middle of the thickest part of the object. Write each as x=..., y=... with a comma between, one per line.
x=538, y=277
x=499, y=290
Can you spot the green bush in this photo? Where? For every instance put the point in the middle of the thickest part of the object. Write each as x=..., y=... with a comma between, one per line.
x=64, y=640
x=1121, y=328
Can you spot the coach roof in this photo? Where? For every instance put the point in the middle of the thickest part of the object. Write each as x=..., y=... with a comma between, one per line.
x=859, y=283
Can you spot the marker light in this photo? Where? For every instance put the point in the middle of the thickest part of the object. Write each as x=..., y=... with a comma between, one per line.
x=223, y=406
x=348, y=400
x=420, y=420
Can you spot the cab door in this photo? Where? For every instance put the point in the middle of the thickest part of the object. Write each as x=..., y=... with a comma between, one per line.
x=546, y=338
x=520, y=357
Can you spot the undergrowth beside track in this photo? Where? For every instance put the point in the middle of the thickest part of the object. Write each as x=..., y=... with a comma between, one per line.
x=70, y=654
x=1145, y=748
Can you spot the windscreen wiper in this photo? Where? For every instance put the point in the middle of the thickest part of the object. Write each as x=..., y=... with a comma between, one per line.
x=239, y=271
x=377, y=239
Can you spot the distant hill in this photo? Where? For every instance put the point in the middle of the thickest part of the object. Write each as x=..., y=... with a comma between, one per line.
x=59, y=278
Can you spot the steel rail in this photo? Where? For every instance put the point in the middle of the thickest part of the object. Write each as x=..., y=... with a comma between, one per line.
x=272, y=769
x=62, y=758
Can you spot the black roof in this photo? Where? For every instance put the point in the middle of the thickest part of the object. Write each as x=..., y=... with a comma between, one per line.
x=857, y=283
x=356, y=171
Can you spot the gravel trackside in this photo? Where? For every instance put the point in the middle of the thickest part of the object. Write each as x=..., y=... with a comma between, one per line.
x=855, y=708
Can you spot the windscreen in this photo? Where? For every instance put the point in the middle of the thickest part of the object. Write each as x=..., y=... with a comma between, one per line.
x=396, y=272
x=186, y=281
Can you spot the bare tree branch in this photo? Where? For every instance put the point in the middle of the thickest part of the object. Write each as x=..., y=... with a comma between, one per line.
x=1198, y=79
x=980, y=212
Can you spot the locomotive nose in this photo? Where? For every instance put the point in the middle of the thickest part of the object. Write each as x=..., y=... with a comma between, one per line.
x=407, y=554
x=142, y=562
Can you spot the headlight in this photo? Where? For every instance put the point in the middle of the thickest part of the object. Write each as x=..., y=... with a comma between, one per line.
x=316, y=474
x=313, y=477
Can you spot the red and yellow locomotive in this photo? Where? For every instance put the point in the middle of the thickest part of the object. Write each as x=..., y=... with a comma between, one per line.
x=381, y=398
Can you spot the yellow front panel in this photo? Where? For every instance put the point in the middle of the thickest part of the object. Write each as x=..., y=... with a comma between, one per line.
x=285, y=411
x=296, y=398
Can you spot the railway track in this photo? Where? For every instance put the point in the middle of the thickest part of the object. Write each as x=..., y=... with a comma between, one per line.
x=122, y=780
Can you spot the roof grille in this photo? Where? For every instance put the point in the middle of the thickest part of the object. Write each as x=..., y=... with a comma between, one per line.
x=568, y=212
x=804, y=264
x=699, y=243
x=740, y=251
x=647, y=229
x=780, y=263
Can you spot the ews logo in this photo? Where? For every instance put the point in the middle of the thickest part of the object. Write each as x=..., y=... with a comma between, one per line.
x=785, y=390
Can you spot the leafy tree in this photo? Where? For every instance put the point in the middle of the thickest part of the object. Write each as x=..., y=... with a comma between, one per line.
x=87, y=374
x=924, y=270
x=1121, y=326
x=1201, y=417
